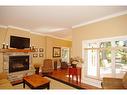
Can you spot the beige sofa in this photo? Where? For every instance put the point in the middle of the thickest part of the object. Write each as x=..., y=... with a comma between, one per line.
x=4, y=82
x=115, y=83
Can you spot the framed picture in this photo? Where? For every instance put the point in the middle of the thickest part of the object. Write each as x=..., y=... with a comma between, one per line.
x=35, y=55
x=41, y=50
x=36, y=49
x=56, y=51
x=41, y=55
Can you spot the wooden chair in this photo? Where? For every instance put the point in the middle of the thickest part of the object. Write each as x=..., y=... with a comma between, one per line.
x=47, y=66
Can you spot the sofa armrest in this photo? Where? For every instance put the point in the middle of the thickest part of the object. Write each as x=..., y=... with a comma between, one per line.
x=3, y=75
x=112, y=83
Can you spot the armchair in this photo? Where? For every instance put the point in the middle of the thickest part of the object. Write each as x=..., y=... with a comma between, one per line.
x=47, y=66
x=4, y=82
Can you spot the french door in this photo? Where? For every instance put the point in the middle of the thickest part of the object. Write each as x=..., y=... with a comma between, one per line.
x=106, y=58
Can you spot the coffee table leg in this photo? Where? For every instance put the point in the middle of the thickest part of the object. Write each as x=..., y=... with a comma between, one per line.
x=23, y=84
x=48, y=85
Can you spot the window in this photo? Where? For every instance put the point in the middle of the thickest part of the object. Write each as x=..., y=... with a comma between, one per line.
x=106, y=57
x=65, y=54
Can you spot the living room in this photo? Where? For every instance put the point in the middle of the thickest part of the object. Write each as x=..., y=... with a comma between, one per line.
x=99, y=45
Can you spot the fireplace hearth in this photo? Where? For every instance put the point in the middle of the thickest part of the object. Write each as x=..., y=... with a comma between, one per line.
x=18, y=63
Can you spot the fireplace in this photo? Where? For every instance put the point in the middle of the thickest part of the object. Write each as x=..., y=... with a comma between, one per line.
x=18, y=63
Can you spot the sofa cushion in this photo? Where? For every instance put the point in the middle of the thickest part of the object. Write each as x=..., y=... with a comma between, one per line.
x=3, y=81
x=125, y=80
x=5, y=84
x=3, y=75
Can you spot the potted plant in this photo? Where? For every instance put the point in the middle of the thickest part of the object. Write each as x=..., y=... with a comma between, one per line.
x=75, y=60
x=36, y=66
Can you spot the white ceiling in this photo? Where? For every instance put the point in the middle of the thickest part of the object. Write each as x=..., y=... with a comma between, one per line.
x=54, y=20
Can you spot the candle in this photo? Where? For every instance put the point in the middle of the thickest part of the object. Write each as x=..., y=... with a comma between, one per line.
x=3, y=45
x=6, y=46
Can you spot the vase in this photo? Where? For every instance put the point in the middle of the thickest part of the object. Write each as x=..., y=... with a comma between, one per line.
x=73, y=65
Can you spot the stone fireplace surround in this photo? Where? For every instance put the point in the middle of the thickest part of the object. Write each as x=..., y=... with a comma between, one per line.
x=13, y=76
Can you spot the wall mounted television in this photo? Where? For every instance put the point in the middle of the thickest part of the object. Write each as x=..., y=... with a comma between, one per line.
x=19, y=42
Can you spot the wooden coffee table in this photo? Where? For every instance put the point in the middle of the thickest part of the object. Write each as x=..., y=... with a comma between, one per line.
x=36, y=82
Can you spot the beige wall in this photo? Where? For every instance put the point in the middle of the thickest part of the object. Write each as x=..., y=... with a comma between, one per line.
x=53, y=42
x=38, y=41
x=2, y=38
x=116, y=26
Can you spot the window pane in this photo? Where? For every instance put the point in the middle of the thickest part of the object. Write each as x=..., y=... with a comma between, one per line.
x=92, y=63
x=65, y=54
x=121, y=62
x=92, y=60
x=105, y=60
x=92, y=45
x=121, y=43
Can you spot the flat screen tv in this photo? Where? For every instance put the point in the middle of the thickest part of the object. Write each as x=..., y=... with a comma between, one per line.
x=19, y=42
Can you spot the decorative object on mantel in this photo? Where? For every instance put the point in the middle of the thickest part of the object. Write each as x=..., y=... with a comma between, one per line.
x=6, y=46
x=75, y=60
x=3, y=46
x=41, y=50
x=36, y=49
x=33, y=48
x=56, y=51
x=36, y=66
x=35, y=55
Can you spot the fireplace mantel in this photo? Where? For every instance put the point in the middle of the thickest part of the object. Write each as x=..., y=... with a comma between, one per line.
x=15, y=50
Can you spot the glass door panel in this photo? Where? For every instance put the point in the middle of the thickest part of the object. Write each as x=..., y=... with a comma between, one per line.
x=92, y=63
x=92, y=60
x=105, y=63
x=105, y=60
x=121, y=59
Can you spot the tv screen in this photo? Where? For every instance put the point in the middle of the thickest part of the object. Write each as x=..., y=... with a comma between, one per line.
x=19, y=42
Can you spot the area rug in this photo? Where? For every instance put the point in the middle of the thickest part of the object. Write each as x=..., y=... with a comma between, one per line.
x=53, y=85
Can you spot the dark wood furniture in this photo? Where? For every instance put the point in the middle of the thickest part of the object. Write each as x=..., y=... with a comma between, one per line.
x=75, y=72
x=16, y=82
x=55, y=65
x=36, y=82
x=37, y=70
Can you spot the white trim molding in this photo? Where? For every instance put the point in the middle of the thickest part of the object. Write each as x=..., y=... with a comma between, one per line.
x=57, y=37
x=19, y=28
x=100, y=19
x=3, y=26
x=27, y=30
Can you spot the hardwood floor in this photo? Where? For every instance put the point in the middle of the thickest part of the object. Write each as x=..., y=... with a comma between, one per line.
x=61, y=75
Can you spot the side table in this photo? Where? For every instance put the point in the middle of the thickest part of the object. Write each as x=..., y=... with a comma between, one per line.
x=75, y=72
